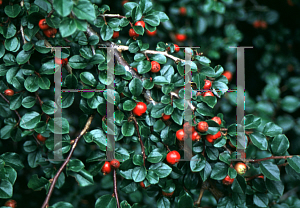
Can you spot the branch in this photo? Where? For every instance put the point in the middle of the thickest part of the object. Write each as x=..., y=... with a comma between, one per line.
x=189, y=103
x=176, y=59
x=270, y=158
x=115, y=188
x=140, y=138
x=112, y=15
x=121, y=60
x=86, y=127
x=215, y=192
x=203, y=187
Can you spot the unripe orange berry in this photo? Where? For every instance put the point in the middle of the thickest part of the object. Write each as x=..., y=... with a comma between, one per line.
x=240, y=168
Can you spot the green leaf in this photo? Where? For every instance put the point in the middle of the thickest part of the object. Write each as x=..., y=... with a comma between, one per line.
x=252, y=122
x=12, y=10
x=205, y=173
x=197, y=163
x=61, y=125
x=44, y=83
x=88, y=78
x=135, y=87
x=280, y=144
x=67, y=27
x=294, y=162
x=163, y=202
x=28, y=102
x=6, y=189
x=29, y=120
x=139, y=174
x=125, y=204
x=155, y=156
x=146, y=5
x=84, y=10
x=106, y=201
x=144, y=67
x=83, y=177
x=12, y=159
x=161, y=169
x=63, y=7
x=152, y=20
x=239, y=184
x=139, y=30
x=186, y=201
x=106, y=32
x=128, y=129
x=62, y=205
x=75, y=165
x=49, y=107
x=290, y=103
x=129, y=105
x=219, y=171
x=259, y=140
x=275, y=187
x=136, y=13
x=11, y=44
x=272, y=129
x=261, y=200
x=23, y=57
x=16, y=101
x=36, y=183
x=270, y=170
x=31, y=83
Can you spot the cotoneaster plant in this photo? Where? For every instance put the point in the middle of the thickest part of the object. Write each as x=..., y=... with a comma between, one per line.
x=139, y=114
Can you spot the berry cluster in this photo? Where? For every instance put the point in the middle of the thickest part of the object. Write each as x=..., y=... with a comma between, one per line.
x=107, y=167
x=48, y=31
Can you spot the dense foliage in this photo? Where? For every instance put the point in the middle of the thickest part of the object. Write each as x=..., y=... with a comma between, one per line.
x=150, y=123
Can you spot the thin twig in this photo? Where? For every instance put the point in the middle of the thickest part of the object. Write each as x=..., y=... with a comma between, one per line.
x=203, y=187
x=140, y=138
x=112, y=15
x=86, y=127
x=116, y=188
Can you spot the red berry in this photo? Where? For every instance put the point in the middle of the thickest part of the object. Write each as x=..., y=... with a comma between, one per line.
x=180, y=37
x=240, y=168
x=124, y=2
x=167, y=194
x=180, y=135
x=177, y=49
x=182, y=11
x=115, y=163
x=211, y=138
x=217, y=120
x=133, y=34
x=58, y=61
x=202, y=126
x=256, y=24
x=115, y=35
x=151, y=33
x=228, y=75
x=41, y=138
x=155, y=67
x=166, y=117
x=173, y=157
x=188, y=128
x=207, y=85
x=195, y=136
x=263, y=24
x=9, y=92
x=106, y=169
x=65, y=61
x=227, y=180
x=261, y=176
x=0, y=2
x=140, y=109
x=11, y=203
x=142, y=184
x=140, y=23
x=43, y=25
x=135, y=69
x=208, y=94
x=50, y=33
